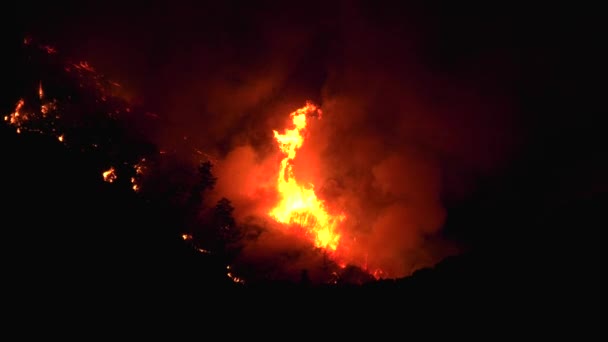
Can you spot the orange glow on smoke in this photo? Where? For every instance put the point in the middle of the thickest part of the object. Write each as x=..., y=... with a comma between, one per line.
x=299, y=204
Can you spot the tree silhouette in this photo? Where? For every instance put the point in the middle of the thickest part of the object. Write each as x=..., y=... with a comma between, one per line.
x=206, y=178
x=206, y=181
x=224, y=226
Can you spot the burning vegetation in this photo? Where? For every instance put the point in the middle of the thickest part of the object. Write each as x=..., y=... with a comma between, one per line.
x=86, y=107
x=300, y=236
x=299, y=204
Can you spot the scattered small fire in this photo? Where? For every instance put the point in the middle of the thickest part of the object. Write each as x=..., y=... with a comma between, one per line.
x=109, y=175
x=40, y=112
x=16, y=117
x=48, y=107
x=233, y=277
x=139, y=171
x=84, y=65
x=135, y=187
x=49, y=49
x=299, y=204
x=378, y=273
x=34, y=120
x=190, y=239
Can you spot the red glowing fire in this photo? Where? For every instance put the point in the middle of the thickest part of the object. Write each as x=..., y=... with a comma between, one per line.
x=299, y=204
x=297, y=208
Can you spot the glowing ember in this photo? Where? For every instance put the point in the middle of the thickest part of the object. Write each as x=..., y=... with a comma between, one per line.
x=49, y=49
x=16, y=117
x=186, y=237
x=24, y=119
x=139, y=167
x=299, y=204
x=139, y=171
x=135, y=187
x=84, y=65
x=40, y=91
x=378, y=273
x=60, y=138
x=109, y=175
x=233, y=277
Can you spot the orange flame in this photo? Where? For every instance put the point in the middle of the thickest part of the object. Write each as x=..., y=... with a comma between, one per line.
x=135, y=186
x=109, y=175
x=233, y=277
x=299, y=204
x=139, y=171
x=15, y=118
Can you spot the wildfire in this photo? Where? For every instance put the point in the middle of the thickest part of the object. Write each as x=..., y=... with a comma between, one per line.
x=109, y=175
x=299, y=204
x=51, y=112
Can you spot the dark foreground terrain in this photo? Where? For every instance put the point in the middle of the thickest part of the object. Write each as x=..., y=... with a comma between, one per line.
x=69, y=236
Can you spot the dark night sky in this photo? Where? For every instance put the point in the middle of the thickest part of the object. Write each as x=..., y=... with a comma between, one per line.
x=504, y=100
